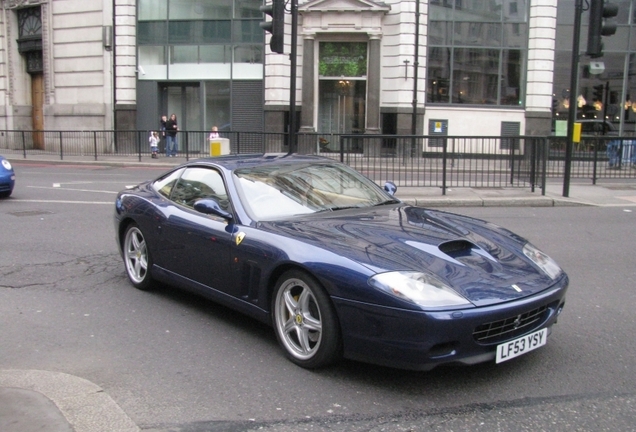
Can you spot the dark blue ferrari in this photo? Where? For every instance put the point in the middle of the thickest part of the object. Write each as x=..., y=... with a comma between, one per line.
x=337, y=265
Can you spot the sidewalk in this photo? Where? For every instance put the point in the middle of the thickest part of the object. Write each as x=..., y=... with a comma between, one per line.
x=40, y=400
x=615, y=192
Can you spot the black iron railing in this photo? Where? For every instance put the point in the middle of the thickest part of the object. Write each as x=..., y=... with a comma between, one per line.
x=435, y=161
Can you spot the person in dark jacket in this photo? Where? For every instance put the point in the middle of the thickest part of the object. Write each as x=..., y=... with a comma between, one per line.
x=162, y=135
x=171, y=136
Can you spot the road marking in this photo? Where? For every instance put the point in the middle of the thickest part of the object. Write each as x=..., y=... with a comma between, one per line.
x=71, y=189
x=61, y=201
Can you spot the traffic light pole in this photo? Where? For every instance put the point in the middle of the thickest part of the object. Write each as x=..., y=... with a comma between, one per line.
x=574, y=74
x=293, y=145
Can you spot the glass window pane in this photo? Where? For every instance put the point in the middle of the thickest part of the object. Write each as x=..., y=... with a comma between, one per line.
x=216, y=31
x=248, y=31
x=152, y=60
x=152, y=10
x=248, y=54
x=516, y=10
x=618, y=42
x=217, y=105
x=181, y=32
x=475, y=76
x=439, y=12
x=200, y=9
x=479, y=11
x=152, y=55
x=438, y=61
x=152, y=32
x=215, y=53
x=511, y=77
x=477, y=34
x=247, y=9
x=516, y=35
x=440, y=33
x=184, y=54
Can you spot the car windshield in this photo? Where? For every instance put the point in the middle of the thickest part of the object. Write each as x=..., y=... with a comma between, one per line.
x=273, y=192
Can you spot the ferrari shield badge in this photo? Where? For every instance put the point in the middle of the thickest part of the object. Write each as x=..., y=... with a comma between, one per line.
x=239, y=237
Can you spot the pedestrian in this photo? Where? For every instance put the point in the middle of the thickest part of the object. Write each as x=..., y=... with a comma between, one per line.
x=163, y=121
x=171, y=136
x=214, y=133
x=154, y=143
x=613, y=154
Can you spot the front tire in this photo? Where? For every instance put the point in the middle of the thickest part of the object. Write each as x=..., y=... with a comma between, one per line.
x=137, y=258
x=305, y=321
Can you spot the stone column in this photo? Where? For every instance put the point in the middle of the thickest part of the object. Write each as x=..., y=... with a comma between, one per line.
x=308, y=85
x=373, y=86
x=373, y=147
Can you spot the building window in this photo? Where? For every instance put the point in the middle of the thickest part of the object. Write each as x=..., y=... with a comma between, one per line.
x=30, y=38
x=198, y=35
x=477, y=53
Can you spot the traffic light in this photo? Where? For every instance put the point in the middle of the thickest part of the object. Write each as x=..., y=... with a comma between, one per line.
x=276, y=26
x=598, y=93
x=600, y=25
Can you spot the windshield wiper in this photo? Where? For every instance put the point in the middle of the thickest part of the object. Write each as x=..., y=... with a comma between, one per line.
x=387, y=202
x=332, y=209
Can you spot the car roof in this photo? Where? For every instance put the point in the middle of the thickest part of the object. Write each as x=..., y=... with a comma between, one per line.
x=232, y=162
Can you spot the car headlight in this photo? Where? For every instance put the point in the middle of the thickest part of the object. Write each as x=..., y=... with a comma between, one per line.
x=544, y=262
x=6, y=164
x=420, y=288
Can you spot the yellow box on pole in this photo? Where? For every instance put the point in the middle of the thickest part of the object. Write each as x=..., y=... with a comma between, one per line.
x=219, y=146
x=576, y=133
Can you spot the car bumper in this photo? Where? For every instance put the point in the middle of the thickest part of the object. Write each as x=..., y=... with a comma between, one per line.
x=7, y=182
x=421, y=340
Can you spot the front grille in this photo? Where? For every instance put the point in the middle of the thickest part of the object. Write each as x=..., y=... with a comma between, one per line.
x=509, y=328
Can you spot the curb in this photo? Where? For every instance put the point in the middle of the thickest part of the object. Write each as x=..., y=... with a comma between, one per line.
x=84, y=404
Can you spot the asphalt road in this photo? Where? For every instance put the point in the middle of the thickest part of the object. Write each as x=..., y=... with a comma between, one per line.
x=174, y=362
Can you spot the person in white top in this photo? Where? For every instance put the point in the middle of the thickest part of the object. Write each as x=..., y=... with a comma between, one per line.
x=214, y=133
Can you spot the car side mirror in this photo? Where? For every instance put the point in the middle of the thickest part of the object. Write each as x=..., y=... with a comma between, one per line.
x=390, y=187
x=211, y=206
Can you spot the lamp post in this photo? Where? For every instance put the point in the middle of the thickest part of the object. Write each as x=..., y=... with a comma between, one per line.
x=574, y=73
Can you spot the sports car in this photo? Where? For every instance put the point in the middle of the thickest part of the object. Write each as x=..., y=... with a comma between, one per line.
x=7, y=178
x=337, y=265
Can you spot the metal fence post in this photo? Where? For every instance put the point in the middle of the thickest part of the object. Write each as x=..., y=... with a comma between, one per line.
x=95, y=143
x=595, y=160
x=533, y=163
x=444, y=159
x=187, y=147
x=544, y=162
x=24, y=145
x=139, y=145
x=61, y=147
x=512, y=161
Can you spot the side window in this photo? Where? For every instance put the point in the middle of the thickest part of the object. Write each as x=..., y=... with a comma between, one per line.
x=197, y=183
x=165, y=184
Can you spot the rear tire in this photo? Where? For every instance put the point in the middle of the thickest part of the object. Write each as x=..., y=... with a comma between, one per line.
x=305, y=321
x=137, y=258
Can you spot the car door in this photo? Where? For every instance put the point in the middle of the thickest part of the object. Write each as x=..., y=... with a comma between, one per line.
x=199, y=244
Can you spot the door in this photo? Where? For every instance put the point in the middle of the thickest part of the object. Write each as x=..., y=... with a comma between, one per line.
x=199, y=244
x=184, y=100
x=37, y=100
x=341, y=106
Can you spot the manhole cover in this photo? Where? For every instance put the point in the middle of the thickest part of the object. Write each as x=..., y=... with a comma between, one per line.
x=30, y=213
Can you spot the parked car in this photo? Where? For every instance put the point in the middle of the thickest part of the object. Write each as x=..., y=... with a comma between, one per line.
x=338, y=265
x=7, y=178
x=597, y=127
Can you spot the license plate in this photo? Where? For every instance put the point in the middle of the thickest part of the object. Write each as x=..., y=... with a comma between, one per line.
x=522, y=345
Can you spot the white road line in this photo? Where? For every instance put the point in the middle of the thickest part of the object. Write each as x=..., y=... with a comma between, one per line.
x=71, y=189
x=61, y=201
